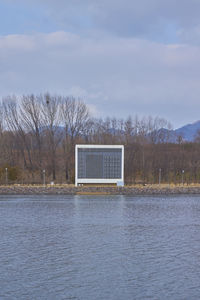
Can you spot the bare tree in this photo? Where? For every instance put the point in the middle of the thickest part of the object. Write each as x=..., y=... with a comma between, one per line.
x=51, y=118
x=31, y=117
x=158, y=130
x=76, y=119
x=14, y=124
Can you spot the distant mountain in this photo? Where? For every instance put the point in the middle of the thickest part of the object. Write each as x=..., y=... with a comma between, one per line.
x=188, y=132
x=163, y=135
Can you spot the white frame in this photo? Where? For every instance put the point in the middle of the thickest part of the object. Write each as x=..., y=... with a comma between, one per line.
x=98, y=180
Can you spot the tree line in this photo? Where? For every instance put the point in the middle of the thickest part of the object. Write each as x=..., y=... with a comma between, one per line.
x=39, y=132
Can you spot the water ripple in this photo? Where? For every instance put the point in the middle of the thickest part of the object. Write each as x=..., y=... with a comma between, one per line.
x=110, y=247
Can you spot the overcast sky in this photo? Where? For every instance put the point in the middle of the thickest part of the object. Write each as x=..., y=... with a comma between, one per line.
x=123, y=57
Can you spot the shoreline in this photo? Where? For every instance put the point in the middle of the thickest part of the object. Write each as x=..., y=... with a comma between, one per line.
x=98, y=190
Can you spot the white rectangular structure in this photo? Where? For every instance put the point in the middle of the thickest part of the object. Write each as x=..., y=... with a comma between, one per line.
x=99, y=164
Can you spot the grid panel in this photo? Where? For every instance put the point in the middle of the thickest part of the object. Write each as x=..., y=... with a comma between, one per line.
x=99, y=163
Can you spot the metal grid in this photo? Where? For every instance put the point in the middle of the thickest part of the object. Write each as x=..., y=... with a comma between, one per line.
x=99, y=163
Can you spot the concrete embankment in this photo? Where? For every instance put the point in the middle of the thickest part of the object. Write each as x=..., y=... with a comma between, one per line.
x=91, y=190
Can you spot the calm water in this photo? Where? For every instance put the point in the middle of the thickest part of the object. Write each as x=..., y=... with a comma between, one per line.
x=112, y=247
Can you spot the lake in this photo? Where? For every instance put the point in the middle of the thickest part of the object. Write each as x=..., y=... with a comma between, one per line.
x=99, y=247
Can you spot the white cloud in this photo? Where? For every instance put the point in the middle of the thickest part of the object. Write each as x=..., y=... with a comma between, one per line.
x=115, y=76
x=16, y=43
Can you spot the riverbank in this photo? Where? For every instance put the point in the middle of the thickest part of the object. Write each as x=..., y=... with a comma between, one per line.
x=100, y=190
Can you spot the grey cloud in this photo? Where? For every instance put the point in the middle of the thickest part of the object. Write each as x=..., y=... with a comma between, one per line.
x=153, y=19
x=116, y=76
x=190, y=35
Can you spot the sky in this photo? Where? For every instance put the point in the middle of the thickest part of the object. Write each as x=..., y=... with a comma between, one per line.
x=122, y=57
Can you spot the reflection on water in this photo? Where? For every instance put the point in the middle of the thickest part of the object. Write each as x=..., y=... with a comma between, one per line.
x=102, y=247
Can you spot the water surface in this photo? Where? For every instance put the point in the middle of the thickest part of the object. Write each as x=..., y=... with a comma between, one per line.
x=102, y=247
